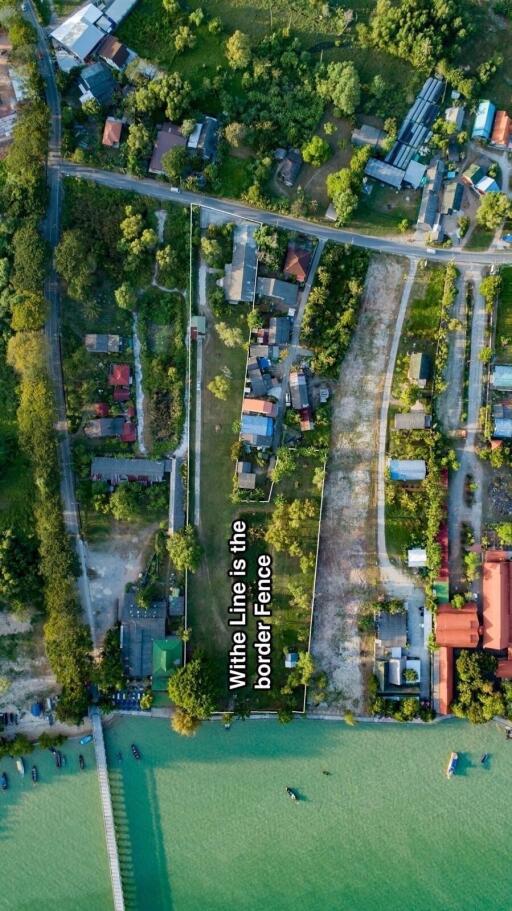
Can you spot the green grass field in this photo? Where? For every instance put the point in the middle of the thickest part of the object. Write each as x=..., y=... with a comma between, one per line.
x=384, y=208
x=479, y=239
x=504, y=318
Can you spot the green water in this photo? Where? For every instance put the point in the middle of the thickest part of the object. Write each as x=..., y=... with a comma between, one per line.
x=205, y=823
x=52, y=845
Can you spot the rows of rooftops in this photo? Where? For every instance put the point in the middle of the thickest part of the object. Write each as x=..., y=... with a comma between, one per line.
x=492, y=126
x=400, y=165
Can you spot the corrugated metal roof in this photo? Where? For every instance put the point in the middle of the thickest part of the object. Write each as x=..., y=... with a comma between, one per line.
x=484, y=120
x=119, y=9
x=501, y=377
x=407, y=469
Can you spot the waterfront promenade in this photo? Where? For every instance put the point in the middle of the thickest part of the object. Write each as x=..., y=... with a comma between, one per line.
x=108, y=815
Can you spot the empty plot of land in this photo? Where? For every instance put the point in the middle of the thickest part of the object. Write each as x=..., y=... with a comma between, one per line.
x=347, y=567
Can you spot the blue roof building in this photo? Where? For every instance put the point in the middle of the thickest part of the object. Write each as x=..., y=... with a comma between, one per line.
x=257, y=430
x=484, y=120
x=407, y=469
x=501, y=377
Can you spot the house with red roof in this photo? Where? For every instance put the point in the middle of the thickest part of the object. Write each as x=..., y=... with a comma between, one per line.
x=119, y=375
x=297, y=262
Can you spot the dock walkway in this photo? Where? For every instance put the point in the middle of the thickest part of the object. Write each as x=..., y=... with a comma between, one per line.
x=108, y=815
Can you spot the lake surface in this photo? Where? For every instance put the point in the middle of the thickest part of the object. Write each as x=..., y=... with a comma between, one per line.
x=52, y=843
x=205, y=824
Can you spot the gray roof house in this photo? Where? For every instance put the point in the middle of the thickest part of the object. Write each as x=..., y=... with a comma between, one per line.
x=260, y=382
x=391, y=630
x=81, y=32
x=298, y=390
x=289, y=169
x=114, y=470
x=104, y=427
x=279, y=330
x=419, y=369
x=103, y=344
x=96, y=82
x=139, y=629
x=208, y=138
x=412, y=420
x=239, y=280
x=501, y=377
x=283, y=292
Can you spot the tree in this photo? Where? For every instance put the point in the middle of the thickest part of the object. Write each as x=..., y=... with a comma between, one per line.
x=219, y=386
x=20, y=581
x=183, y=38
x=285, y=464
x=192, y=688
x=28, y=311
x=75, y=264
x=504, y=532
x=235, y=133
x=29, y=258
x=173, y=163
x=254, y=320
x=146, y=701
x=91, y=107
x=341, y=86
x=184, y=549
x=125, y=296
x=493, y=210
x=349, y=717
x=476, y=698
x=184, y=724
x=5, y=684
x=110, y=676
x=138, y=144
x=410, y=675
x=316, y=152
x=238, y=51
x=188, y=126
x=171, y=7
x=230, y=335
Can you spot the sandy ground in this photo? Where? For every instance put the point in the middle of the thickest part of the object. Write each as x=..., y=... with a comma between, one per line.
x=347, y=564
x=111, y=565
x=27, y=670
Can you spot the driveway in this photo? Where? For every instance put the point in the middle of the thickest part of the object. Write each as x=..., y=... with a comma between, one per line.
x=347, y=573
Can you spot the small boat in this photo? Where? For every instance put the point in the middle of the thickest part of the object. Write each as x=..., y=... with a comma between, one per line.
x=452, y=765
x=484, y=758
x=20, y=765
x=58, y=758
x=85, y=740
x=34, y=774
x=81, y=761
x=4, y=783
x=135, y=752
x=291, y=794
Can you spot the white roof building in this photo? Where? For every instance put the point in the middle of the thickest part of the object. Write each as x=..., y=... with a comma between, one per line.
x=119, y=9
x=417, y=558
x=81, y=33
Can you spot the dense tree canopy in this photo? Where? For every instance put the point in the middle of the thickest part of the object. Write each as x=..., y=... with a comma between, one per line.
x=340, y=85
x=422, y=31
x=192, y=688
x=493, y=210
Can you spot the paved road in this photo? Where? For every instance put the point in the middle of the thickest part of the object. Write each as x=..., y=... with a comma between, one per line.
x=52, y=232
x=469, y=463
x=234, y=209
x=396, y=582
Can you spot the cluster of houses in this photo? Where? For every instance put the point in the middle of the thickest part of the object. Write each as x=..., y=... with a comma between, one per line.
x=203, y=142
x=119, y=379
x=13, y=92
x=501, y=403
x=88, y=33
x=470, y=628
x=397, y=672
x=492, y=126
x=149, y=651
x=401, y=165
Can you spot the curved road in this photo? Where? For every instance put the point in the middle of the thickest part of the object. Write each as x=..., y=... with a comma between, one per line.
x=52, y=233
x=234, y=209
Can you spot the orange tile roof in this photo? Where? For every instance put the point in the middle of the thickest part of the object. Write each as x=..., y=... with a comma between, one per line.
x=297, y=263
x=445, y=680
x=457, y=628
x=504, y=669
x=501, y=130
x=112, y=132
x=496, y=598
x=259, y=406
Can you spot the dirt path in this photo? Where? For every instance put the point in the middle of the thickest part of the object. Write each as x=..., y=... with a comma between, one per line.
x=347, y=564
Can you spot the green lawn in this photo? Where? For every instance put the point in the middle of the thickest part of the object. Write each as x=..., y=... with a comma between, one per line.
x=479, y=239
x=384, y=208
x=234, y=176
x=504, y=318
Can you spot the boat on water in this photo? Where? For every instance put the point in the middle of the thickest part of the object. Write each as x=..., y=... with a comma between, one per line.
x=484, y=758
x=81, y=761
x=20, y=765
x=291, y=794
x=135, y=752
x=87, y=738
x=34, y=773
x=452, y=765
x=4, y=782
x=58, y=758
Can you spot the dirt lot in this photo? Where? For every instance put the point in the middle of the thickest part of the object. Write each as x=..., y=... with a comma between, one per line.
x=23, y=663
x=347, y=566
x=111, y=565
